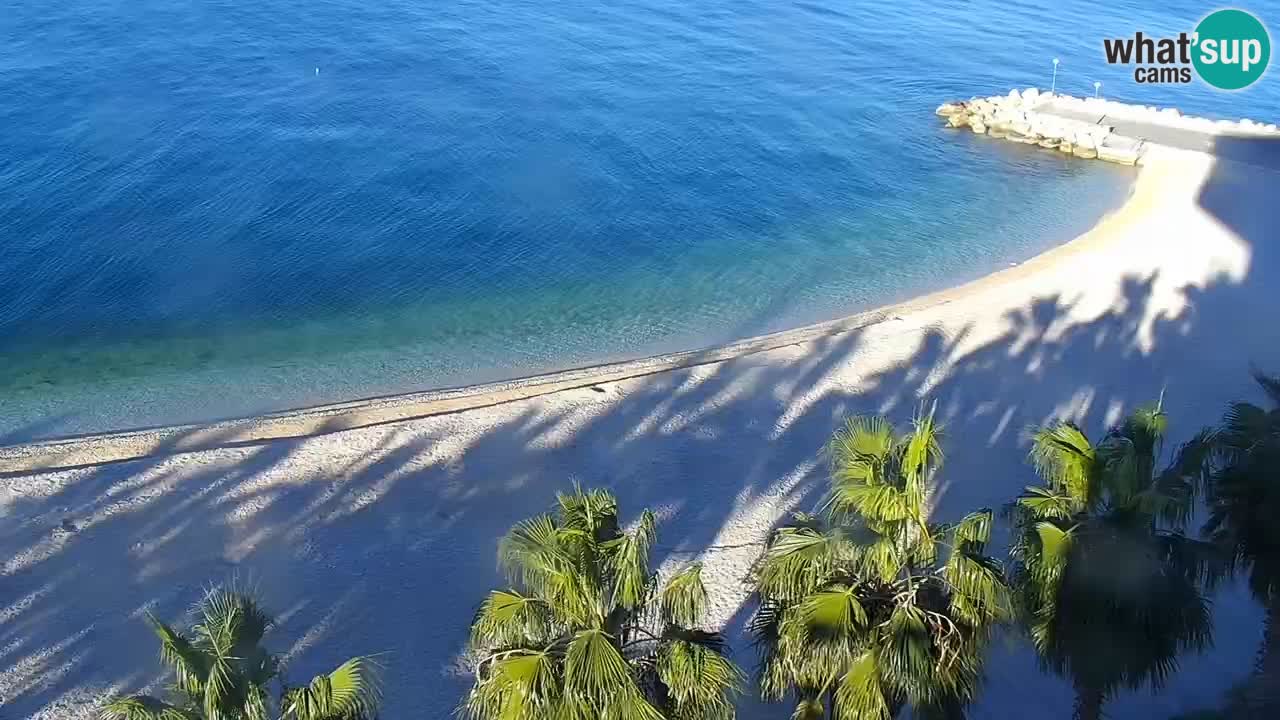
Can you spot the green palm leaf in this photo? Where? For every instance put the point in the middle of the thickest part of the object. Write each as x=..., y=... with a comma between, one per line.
x=143, y=707
x=859, y=695
x=833, y=613
x=628, y=705
x=350, y=692
x=979, y=593
x=774, y=675
x=1066, y=460
x=595, y=671
x=973, y=530
x=875, y=555
x=860, y=449
x=516, y=685
x=906, y=657
x=809, y=708
x=507, y=618
x=593, y=512
x=1047, y=503
x=699, y=679
x=684, y=599
x=796, y=562
x=189, y=665
x=922, y=454
x=630, y=564
x=531, y=551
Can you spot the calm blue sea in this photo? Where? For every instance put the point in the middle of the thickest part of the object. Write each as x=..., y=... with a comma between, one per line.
x=216, y=207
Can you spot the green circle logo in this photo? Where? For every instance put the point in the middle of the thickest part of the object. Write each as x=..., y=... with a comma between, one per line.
x=1232, y=49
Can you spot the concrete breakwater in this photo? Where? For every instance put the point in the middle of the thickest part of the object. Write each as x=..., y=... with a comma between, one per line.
x=1088, y=127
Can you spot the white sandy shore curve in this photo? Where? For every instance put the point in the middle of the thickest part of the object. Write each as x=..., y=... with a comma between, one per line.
x=371, y=527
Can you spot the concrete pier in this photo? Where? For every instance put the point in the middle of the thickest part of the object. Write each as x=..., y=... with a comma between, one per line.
x=1096, y=128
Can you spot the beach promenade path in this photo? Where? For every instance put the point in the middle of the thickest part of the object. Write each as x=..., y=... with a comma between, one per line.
x=1165, y=131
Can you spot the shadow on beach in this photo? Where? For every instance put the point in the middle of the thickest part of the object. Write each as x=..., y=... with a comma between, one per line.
x=382, y=539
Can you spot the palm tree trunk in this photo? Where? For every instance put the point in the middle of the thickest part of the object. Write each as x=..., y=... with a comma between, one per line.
x=1088, y=704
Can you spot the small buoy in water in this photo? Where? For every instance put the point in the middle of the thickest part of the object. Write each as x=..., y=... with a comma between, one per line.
x=317, y=71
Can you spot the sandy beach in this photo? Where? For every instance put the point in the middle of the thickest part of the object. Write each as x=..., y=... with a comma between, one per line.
x=371, y=526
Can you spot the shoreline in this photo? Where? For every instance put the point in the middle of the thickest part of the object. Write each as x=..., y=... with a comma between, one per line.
x=98, y=448
x=352, y=532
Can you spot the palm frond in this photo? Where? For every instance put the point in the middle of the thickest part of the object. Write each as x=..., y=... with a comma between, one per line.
x=1126, y=471
x=980, y=595
x=875, y=555
x=189, y=665
x=1047, y=503
x=973, y=532
x=860, y=694
x=350, y=692
x=1065, y=459
x=831, y=614
x=809, y=708
x=508, y=618
x=922, y=455
x=700, y=681
x=796, y=562
x=530, y=550
x=684, y=599
x=860, y=448
x=1270, y=385
x=595, y=672
x=1245, y=426
x=1146, y=427
x=232, y=619
x=630, y=563
x=628, y=705
x=1172, y=497
x=773, y=675
x=879, y=505
x=143, y=707
x=906, y=657
x=516, y=685
x=594, y=512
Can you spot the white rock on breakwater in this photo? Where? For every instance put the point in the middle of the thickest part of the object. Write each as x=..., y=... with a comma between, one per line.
x=1024, y=116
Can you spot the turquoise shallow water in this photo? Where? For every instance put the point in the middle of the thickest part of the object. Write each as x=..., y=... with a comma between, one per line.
x=217, y=208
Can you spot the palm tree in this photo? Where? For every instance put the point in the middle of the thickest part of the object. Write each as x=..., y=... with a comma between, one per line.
x=1243, y=496
x=586, y=632
x=222, y=672
x=1110, y=589
x=868, y=606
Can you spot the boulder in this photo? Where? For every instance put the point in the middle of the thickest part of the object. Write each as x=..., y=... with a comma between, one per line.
x=1014, y=95
x=1050, y=143
x=958, y=120
x=977, y=126
x=949, y=109
x=1066, y=147
x=1031, y=95
x=1087, y=153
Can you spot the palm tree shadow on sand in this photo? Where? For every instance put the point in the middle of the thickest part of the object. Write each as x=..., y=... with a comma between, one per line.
x=383, y=539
